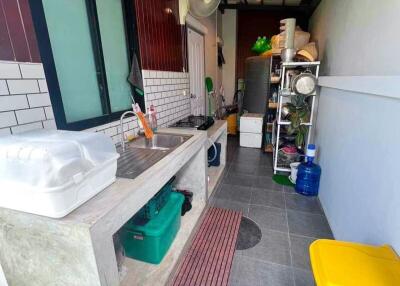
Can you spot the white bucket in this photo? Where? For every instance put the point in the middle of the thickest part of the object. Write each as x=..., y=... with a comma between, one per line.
x=293, y=171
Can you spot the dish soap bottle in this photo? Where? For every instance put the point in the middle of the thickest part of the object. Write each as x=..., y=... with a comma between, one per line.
x=308, y=174
x=153, y=118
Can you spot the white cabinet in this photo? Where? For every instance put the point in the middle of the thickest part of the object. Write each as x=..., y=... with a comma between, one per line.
x=251, y=125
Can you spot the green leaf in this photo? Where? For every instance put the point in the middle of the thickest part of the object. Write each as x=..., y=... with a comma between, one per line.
x=295, y=119
x=303, y=129
x=299, y=140
x=291, y=107
x=290, y=130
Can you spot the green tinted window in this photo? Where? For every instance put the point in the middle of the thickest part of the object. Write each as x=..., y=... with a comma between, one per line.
x=70, y=38
x=89, y=45
x=112, y=31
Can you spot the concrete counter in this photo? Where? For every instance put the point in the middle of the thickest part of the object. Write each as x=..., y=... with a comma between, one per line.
x=78, y=249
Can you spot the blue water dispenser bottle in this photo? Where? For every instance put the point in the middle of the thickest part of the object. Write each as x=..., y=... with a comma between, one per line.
x=308, y=174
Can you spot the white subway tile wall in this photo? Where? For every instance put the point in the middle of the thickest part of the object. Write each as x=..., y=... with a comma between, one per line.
x=166, y=91
x=24, y=99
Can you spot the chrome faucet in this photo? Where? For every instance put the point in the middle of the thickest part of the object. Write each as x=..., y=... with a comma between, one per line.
x=122, y=128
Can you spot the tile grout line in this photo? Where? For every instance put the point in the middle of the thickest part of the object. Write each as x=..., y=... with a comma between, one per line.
x=290, y=243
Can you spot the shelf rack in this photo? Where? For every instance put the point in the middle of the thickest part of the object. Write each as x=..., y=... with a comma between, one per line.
x=271, y=106
x=282, y=96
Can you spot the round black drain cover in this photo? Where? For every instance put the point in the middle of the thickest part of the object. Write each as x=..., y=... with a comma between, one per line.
x=249, y=234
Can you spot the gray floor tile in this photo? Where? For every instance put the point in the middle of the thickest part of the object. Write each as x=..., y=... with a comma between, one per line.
x=303, y=277
x=246, y=169
x=232, y=205
x=239, y=179
x=248, y=155
x=277, y=207
x=264, y=171
x=269, y=217
x=267, y=198
x=234, y=193
x=273, y=247
x=300, y=251
x=299, y=202
x=249, y=271
x=230, y=155
x=308, y=224
x=266, y=183
x=266, y=160
x=288, y=189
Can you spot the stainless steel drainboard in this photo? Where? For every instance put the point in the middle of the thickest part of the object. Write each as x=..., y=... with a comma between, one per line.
x=134, y=161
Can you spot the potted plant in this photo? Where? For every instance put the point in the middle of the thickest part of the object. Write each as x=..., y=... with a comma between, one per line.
x=299, y=112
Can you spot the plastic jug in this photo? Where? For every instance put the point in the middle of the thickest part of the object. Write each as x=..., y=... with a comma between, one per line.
x=308, y=174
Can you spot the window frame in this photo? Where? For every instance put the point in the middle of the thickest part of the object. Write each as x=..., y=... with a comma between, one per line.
x=47, y=58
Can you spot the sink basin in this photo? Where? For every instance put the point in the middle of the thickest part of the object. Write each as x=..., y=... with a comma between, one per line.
x=141, y=154
x=160, y=141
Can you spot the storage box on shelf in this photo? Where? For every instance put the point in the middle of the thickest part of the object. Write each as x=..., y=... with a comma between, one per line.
x=151, y=241
x=280, y=124
x=251, y=130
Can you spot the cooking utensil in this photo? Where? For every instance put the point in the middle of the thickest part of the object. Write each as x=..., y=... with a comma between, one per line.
x=288, y=54
x=304, y=83
x=285, y=112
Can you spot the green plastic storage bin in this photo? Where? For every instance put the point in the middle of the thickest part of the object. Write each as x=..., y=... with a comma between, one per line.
x=156, y=203
x=150, y=242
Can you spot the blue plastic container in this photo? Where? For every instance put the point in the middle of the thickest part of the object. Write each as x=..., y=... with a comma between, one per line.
x=308, y=175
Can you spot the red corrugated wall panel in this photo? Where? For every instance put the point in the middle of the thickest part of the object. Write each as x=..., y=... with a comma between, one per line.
x=161, y=38
x=29, y=30
x=160, y=35
x=6, y=51
x=17, y=35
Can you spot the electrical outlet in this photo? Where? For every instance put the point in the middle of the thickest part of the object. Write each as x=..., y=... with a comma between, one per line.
x=184, y=92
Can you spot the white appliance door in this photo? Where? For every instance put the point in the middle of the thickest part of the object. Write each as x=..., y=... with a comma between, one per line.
x=196, y=72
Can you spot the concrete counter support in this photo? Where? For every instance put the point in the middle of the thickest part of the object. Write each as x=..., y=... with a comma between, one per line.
x=78, y=249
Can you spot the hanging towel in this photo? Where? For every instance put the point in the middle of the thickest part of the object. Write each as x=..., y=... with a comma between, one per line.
x=135, y=76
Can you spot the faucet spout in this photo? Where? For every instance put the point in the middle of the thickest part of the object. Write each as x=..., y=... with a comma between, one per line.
x=122, y=127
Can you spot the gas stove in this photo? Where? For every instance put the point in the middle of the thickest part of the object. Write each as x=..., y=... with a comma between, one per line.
x=199, y=122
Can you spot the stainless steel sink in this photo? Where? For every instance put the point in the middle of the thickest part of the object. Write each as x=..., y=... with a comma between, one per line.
x=141, y=154
x=160, y=141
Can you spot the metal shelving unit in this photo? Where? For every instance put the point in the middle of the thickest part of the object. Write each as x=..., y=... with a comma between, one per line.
x=271, y=106
x=283, y=97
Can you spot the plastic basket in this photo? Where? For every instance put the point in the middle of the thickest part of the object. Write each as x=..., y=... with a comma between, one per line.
x=156, y=203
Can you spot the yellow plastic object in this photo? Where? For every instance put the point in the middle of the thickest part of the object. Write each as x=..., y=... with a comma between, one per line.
x=232, y=124
x=130, y=137
x=339, y=263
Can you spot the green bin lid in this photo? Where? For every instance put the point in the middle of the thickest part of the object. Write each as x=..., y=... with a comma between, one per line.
x=158, y=225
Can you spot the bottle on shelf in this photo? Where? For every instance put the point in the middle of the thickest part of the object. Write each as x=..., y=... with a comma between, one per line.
x=153, y=117
x=308, y=174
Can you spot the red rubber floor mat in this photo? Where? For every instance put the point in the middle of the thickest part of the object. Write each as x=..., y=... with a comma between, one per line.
x=209, y=259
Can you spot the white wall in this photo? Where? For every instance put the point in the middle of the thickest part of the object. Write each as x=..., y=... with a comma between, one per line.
x=166, y=91
x=210, y=46
x=210, y=41
x=24, y=98
x=25, y=101
x=358, y=37
x=357, y=131
x=229, y=69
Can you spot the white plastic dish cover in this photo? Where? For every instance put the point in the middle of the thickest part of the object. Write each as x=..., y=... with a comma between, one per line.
x=48, y=160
